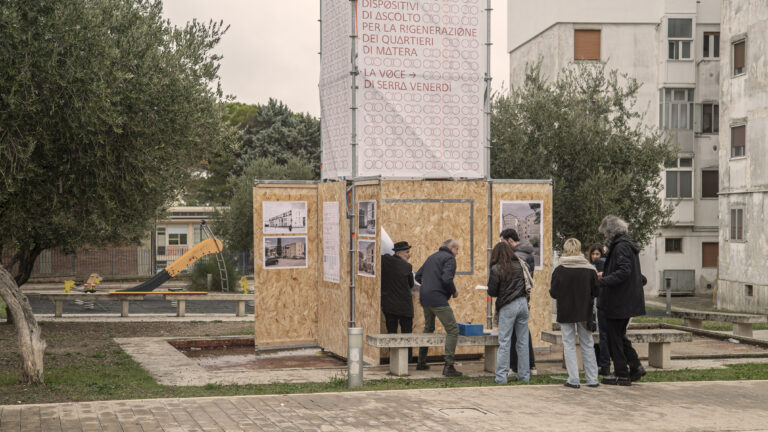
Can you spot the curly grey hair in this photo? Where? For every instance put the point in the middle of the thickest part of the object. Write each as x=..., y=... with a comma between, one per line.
x=613, y=226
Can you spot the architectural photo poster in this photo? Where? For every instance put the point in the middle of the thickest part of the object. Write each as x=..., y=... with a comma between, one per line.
x=366, y=258
x=421, y=88
x=525, y=218
x=366, y=218
x=331, y=241
x=285, y=252
x=284, y=217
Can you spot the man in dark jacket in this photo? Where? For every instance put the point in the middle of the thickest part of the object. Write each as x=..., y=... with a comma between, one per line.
x=524, y=250
x=396, y=285
x=621, y=298
x=436, y=279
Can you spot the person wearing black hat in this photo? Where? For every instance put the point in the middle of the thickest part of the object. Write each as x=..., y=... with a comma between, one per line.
x=396, y=285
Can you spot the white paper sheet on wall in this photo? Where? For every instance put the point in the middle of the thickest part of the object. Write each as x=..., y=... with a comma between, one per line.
x=331, y=241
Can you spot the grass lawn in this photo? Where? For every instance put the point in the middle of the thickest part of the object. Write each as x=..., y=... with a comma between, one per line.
x=84, y=363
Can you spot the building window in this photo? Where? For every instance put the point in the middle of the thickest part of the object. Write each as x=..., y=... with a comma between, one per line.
x=679, y=178
x=709, y=253
x=750, y=290
x=673, y=245
x=676, y=108
x=198, y=235
x=161, y=240
x=177, y=239
x=710, y=118
x=679, y=33
x=738, y=140
x=709, y=184
x=737, y=224
x=586, y=44
x=711, y=44
x=739, y=57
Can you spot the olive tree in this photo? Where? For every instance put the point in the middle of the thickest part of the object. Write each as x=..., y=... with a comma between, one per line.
x=582, y=130
x=106, y=110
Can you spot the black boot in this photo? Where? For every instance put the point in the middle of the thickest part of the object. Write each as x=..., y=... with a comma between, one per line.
x=422, y=362
x=637, y=373
x=616, y=380
x=450, y=371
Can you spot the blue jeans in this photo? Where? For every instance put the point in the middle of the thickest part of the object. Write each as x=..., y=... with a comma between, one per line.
x=587, y=352
x=513, y=315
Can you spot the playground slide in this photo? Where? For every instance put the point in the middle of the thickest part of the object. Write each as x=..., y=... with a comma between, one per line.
x=206, y=247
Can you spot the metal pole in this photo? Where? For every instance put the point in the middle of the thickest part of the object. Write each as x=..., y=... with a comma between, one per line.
x=320, y=53
x=487, y=107
x=353, y=110
x=489, y=300
x=488, y=92
x=355, y=357
x=668, y=283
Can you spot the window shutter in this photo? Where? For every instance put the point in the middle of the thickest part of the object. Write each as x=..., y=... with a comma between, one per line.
x=709, y=254
x=738, y=55
x=586, y=44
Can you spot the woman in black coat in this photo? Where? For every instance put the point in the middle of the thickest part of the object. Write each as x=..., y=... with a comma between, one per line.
x=574, y=286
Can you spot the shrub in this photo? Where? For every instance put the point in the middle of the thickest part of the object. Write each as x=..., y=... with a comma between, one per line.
x=198, y=275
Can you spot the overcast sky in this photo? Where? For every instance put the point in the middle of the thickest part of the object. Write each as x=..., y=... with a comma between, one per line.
x=271, y=47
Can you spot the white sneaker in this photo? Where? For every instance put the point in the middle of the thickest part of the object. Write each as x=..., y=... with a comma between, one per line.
x=534, y=372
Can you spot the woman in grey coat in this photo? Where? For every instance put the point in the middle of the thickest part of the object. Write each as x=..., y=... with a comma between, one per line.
x=574, y=286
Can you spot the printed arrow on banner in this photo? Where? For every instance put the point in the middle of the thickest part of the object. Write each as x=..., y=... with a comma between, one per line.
x=413, y=75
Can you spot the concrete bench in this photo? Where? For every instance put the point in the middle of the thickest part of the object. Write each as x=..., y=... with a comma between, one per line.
x=742, y=323
x=659, y=342
x=399, y=343
x=181, y=301
x=58, y=299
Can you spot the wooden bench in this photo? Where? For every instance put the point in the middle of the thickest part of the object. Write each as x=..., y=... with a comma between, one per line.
x=125, y=298
x=399, y=343
x=181, y=301
x=58, y=299
x=742, y=323
x=659, y=342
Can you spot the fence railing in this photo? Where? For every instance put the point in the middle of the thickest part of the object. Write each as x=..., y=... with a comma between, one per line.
x=123, y=262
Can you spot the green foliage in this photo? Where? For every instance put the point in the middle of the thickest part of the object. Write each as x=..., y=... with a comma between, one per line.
x=582, y=132
x=234, y=225
x=2, y=309
x=106, y=110
x=266, y=131
x=274, y=131
x=198, y=275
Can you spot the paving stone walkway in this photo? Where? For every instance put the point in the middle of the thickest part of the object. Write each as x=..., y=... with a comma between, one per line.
x=700, y=406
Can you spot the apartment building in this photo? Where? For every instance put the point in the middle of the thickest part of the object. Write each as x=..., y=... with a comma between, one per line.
x=743, y=265
x=673, y=48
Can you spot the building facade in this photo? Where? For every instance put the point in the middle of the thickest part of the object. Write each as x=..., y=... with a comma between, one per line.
x=672, y=47
x=743, y=265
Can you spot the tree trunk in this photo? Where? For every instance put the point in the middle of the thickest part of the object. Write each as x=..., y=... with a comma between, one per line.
x=31, y=345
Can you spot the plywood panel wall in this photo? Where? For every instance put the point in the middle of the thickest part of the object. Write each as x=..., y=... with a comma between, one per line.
x=541, y=302
x=333, y=298
x=367, y=289
x=426, y=213
x=286, y=299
